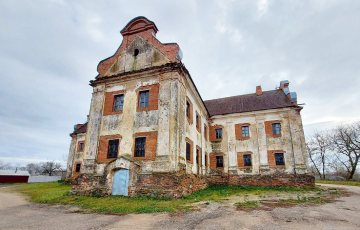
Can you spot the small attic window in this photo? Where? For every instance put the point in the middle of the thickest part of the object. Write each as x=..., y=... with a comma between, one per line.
x=136, y=52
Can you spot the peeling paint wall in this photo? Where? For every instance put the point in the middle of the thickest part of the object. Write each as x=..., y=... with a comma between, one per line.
x=74, y=154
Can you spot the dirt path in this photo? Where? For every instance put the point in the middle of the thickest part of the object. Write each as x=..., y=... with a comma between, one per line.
x=17, y=213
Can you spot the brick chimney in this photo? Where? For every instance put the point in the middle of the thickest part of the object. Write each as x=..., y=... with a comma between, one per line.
x=258, y=90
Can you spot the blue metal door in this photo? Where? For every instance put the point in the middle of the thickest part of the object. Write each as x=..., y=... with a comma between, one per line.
x=121, y=182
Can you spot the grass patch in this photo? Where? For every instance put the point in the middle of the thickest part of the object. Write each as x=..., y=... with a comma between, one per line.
x=352, y=183
x=247, y=204
x=54, y=192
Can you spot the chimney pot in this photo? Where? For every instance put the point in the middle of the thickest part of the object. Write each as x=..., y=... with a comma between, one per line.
x=258, y=90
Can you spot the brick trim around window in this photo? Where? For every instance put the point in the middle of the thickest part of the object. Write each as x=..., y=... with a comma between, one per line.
x=212, y=133
x=109, y=102
x=104, y=147
x=271, y=158
x=198, y=122
x=150, y=145
x=153, y=97
x=240, y=158
x=206, y=130
x=187, y=140
x=213, y=160
x=75, y=174
x=269, y=130
x=189, y=116
x=238, y=131
x=78, y=146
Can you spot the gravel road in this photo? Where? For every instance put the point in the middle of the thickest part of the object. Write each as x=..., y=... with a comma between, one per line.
x=17, y=213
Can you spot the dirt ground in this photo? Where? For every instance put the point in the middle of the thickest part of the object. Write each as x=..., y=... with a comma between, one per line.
x=17, y=213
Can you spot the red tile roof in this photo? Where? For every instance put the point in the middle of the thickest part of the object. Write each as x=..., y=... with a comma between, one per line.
x=273, y=99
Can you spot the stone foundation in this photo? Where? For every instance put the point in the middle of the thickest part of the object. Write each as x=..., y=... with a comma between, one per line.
x=179, y=184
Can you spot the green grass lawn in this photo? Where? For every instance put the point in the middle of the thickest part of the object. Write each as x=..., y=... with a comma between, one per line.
x=54, y=192
x=352, y=183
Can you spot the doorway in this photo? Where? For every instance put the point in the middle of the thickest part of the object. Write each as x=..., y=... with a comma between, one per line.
x=120, y=182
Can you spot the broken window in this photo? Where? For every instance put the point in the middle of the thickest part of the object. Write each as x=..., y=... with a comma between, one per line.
x=118, y=102
x=188, y=151
x=78, y=166
x=113, y=148
x=245, y=131
x=219, y=162
x=247, y=159
x=218, y=133
x=144, y=99
x=276, y=128
x=140, y=143
x=279, y=159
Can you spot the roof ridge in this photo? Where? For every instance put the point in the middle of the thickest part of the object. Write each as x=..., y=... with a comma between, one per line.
x=241, y=95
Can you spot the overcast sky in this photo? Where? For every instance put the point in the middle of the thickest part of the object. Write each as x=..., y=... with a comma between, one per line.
x=49, y=50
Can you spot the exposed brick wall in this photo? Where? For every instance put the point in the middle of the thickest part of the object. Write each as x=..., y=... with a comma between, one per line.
x=153, y=97
x=191, y=150
x=213, y=160
x=198, y=122
x=238, y=131
x=206, y=130
x=271, y=158
x=78, y=146
x=212, y=132
x=273, y=180
x=109, y=102
x=240, y=157
x=190, y=117
x=104, y=146
x=75, y=174
x=150, y=145
x=269, y=130
x=168, y=184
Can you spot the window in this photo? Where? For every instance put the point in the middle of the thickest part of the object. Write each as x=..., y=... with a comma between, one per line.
x=144, y=99
x=118, y=102
x=136, y=52
x=81, y=146
x=188, y=151
x=279, y=159
x=197, y=156
x=113, y=148
x=188, y=109
x=218, y=133
x=276, y=128
x=140, y=146
x=205, y=132
x=197, y=121
x=206, y=159
x=245, y=131
x=247, y=159
x=78, y=167
x=219, y=161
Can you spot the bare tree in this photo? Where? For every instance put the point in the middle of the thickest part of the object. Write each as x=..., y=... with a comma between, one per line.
x=318, y=147
x=345, y=142
x=6, y=166
x=34, y=169
x=49, y=167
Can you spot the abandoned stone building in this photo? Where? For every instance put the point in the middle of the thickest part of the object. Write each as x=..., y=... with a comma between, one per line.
x=149, y=131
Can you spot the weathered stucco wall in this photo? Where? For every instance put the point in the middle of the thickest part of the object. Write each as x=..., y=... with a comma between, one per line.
x=291, y=141
x=75, y=156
